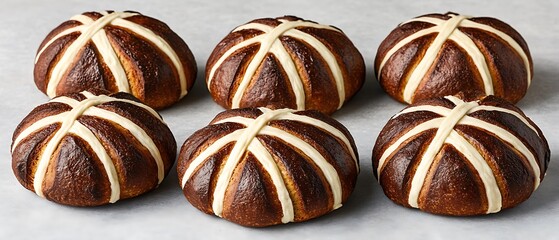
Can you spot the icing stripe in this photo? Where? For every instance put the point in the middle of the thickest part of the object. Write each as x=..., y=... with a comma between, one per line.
x=327, y=169
x=269, y=43
x=290, y=68
x=93, y=30
x=265, y=45
x=97, y=147
x=253, y=127
x=158, y=41
x=270, y=166
x=440, y=110
x=445, y=134
x=403, y=43
x=456, y=101
x=69, y=124
x=326, y=127
x=36, y=126
x=467, y=44
x=508, y=137
x=73, y=103
x=111, y=59
x=491, y=128
x=84, y=20
x=462, y=40
x=58, y=36
x=431, y=20
x=504, y=110
x=245, y=140
x=44, y=159
x=430, y=55
x=506, y=38
x=303, y=23
x=410, y=38
x=108, y=53
x=446, y=126
x=212, y=149
x=256, y=26
x=289, y=65
x=477, y=57
x=61, y=67
x=328, y=56
x=443, y=111
x=431, y=124
x=230, y=52
x=266, y=28
x=259, y=126
x=106, y=99
x=492, y=192
x=136, y=131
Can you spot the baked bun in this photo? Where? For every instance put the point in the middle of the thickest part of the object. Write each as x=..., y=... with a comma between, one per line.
x=259, y=167
x=443, y=54
x=92, y=148
x=286, y=62
x=119, y=52
x=447, y=156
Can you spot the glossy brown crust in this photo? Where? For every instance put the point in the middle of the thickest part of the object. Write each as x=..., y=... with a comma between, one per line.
x=75, y=175
x=452, y=185
x=453, y=70
x=270, y=86
x=152, y=76
x=251, y=196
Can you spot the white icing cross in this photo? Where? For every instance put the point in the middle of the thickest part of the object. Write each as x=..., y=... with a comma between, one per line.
x=448, y=30
x=71, y=125
x=245, y=139
x=270, y=42
x=92, y=31
x=447, y=135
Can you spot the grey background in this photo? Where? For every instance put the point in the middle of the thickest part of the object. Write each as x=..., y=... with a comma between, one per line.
x=165, y=213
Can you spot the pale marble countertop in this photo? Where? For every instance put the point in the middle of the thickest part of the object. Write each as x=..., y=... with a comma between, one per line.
x=165, y=213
